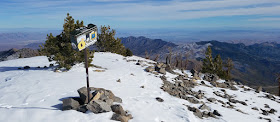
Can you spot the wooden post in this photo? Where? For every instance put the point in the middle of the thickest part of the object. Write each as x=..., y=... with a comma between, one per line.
x=86, y=66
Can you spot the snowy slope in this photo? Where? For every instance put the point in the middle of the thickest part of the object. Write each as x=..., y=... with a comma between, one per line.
x=35, y=95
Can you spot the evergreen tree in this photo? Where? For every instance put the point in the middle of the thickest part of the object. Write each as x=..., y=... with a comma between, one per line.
x=108, y=43
x=218, y=67
x=128, y=52
x=59, y=48
x=229, y=66
x=208, y=64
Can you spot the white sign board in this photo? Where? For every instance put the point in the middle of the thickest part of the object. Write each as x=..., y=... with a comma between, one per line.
x=86, y=40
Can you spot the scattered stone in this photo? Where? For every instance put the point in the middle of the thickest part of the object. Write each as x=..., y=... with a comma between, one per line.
x=51, y=65
x=119, y=117
x=142, y=87
x=272, y=111
x=162, y=71
x=211, y=99
x=220, y=101
x=233, y=88
x=269, y=96
x=84, y=95
x=38, y=67
x=203, y=106
x=264, y=112
x=195, y=111
x=215, y=112
x=259, y=89
x=26, y=67
x=255, y=108
x=119, y=80
x=45, y=67
x=240, y=111
x=69, y=104
x=266, y=106
x=192, y=100
x=159, y=99
x=210, y=77
x=138, y=63
x=150, y=69
x=118, y=109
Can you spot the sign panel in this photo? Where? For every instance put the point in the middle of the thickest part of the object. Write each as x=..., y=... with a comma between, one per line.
x=84, y=37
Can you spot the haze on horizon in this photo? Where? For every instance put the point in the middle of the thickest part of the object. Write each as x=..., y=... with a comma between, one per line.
x=170, y=20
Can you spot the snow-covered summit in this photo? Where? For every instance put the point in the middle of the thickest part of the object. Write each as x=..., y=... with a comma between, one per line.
x=36, y=94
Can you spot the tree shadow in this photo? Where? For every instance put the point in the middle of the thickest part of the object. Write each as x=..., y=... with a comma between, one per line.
x=5, y=69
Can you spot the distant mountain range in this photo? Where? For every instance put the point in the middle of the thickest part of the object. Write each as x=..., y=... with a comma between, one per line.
x=254, y=64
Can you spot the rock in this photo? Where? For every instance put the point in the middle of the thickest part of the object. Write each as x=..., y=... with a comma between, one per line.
x=69, y=104
x=205, y=114
x=138, y=63
x=98, y=106
x=118, y=109
x=142, y=86
x=109, y=101
x=272, y=111
x=162, y=71
x=220, y=101
x=269, y=96
x=96, y=95
x=119, y=80
x=84, y=95
x=233, y=88
x=198, y=114
x=119, y=117
x=264, y=112
x=159, y=99
x=211, y=99
x=266, y=106
x=155, y=73
x=82, y=108
x=150, y=69
x=26, y=67
x=192, y=100
x=210, y=77
x=117, y=99
x=259, y=89
x=195, y=111
x=169, y=69
x=212, y=115
x=215, y=112
x=222, y=85
x=233, y=100
x=203, y=106
x=255, y=108
x=199, y=96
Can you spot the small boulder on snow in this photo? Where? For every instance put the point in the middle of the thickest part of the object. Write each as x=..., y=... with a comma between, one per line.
x=69, y=104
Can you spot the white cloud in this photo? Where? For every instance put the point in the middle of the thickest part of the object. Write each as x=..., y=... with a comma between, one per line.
x=265, y=19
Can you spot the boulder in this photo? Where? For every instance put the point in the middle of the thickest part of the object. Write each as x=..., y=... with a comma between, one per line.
x=203, y=106
x=215, y=112
x=96, y=95
x=119, y=117
x=118, y=109
x=69, y=104
x=98, y=106
x=84, y=94
x=82, y=108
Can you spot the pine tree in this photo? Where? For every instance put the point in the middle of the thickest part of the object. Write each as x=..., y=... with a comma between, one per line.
x=208, y=64
x=218, y=67
x=108, y=43
x=59, y=48
x=128, y=52
x=229, y=66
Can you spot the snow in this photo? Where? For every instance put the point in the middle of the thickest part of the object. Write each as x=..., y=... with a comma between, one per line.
x=36, y=94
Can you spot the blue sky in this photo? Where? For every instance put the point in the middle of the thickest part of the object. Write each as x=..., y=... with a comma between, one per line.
x=143, y=14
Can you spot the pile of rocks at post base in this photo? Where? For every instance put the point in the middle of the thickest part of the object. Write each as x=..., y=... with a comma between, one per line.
x=101, y=101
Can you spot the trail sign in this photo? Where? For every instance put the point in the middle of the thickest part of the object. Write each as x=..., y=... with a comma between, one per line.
x=83, y=37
